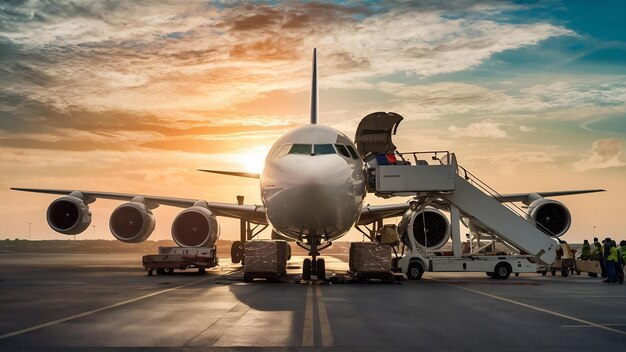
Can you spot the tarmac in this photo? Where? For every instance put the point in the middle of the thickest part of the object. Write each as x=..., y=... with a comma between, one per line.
x=106, y=302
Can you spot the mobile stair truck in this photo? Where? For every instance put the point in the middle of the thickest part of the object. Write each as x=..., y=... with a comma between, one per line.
x=424, y=228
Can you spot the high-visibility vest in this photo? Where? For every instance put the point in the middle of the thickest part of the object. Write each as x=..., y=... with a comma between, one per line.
x=586, y=250
x=612, y=257
x=598, y=249
x=623, y=250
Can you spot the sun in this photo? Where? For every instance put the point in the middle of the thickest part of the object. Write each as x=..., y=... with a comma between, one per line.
x=253, y=159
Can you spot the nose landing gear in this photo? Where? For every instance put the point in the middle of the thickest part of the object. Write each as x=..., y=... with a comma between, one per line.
x=315, y=267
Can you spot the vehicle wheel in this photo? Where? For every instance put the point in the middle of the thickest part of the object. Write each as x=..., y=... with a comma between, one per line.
x=159, y=271
x=543, y=273
x=502, y=271
x=415, y=271
x=306, y=269
x=248, y=278
x=168, y=271
x=578, y=272
x=489, y=273
x=564, y=272
x=201, y=270
x=149, y=272
x=553, y=272
x=516, y=274
x=321, y=269
x=236, y=251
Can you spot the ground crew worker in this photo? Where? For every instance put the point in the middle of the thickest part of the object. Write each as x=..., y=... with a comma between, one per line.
x=599, y=254
x=612, y=261
x=622, y=253
x=585, y=253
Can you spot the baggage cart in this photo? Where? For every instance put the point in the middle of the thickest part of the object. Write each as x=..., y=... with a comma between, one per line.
x=180, y=258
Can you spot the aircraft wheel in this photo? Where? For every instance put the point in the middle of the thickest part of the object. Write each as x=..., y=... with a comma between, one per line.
x=320, y=269
x=415, y=271
x=306, y=269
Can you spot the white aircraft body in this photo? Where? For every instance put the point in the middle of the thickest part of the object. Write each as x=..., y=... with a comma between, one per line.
x=312, y=186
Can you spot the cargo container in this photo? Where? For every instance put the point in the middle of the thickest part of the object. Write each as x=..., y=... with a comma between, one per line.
x=265, y=259
x=370, y=260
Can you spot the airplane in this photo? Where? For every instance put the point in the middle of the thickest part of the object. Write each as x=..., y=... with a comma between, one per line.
x=313, y=186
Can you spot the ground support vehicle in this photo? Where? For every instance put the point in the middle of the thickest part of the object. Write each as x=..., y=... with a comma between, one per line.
x=446, y=186
x=265, y=259
x=591, y=267
x=180, y=258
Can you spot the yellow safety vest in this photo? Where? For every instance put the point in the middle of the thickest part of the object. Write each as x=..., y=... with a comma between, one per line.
x=612, y=255
x=623, y=250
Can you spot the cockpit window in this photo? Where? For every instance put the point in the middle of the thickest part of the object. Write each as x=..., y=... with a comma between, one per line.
x=342, y=150
x=300, y=149
x=319, y=149
x=284, y=150
x=352, y=152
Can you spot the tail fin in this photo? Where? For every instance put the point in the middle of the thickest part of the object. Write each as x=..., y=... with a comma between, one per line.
x=314, y=90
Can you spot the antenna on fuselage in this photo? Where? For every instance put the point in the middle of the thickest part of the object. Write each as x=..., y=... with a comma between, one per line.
x=314, y=90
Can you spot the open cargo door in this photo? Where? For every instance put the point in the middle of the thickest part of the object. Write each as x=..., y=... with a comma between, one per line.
x=374, y=133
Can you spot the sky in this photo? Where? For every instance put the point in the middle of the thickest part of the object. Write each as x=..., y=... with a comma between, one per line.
x=134, y=96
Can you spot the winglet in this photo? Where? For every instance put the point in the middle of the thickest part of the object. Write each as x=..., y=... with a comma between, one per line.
x=314, y=90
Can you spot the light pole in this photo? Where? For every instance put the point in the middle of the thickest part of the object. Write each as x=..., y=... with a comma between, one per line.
x=594, y=230
x=94, y=232
x=30, y=223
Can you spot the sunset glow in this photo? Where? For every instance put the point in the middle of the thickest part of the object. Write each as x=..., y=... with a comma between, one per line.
x=116, y=96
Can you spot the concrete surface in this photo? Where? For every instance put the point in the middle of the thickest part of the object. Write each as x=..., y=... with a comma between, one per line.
x=103, y=302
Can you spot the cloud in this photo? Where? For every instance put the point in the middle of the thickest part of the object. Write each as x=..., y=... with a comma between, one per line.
x=484, y=129
x=605, y=153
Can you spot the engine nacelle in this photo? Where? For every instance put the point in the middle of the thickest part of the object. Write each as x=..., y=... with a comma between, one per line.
x=551, y=217
x=132, y=222
x=195, y=227
x=68, y=215
x=430, y=228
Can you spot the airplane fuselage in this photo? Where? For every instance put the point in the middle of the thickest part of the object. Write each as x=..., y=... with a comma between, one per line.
x=313, y=184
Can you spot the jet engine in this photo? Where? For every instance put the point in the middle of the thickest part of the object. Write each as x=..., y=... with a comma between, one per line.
x=551, y=217
x=430, y=228
x=69, y=215
x=195, y=227
x=132, y=222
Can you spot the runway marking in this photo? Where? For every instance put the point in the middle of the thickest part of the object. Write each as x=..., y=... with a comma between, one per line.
x=308, y=331
x=543, y=310
x=588, y=326
x=98, y=310
x=327, y=335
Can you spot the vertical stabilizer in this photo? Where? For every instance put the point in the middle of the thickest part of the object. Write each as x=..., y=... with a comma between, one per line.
x=314, y=90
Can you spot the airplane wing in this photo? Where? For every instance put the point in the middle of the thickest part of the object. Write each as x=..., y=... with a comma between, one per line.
x=371, y=213
x=253, y=213
x=520, y=197
x=233, y=173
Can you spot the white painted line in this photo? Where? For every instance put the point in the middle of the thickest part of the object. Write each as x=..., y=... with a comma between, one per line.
x=94, y=311
x=327, y=334
x=560, y=315
x=308, y=331
x=588, y=326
